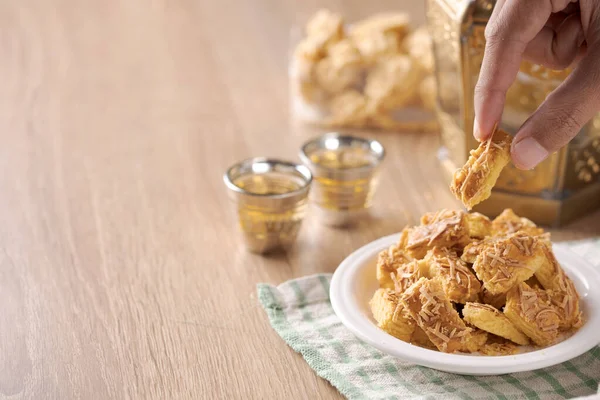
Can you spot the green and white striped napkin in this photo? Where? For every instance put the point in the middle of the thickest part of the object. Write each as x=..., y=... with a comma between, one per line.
x=300, y=311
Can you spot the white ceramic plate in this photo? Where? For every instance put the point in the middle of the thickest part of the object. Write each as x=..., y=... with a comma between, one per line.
x=354, y=283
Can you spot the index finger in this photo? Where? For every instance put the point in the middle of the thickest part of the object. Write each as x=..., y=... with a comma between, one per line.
x=507, y=36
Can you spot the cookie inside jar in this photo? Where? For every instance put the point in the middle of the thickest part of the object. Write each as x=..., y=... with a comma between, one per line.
x=371, y=73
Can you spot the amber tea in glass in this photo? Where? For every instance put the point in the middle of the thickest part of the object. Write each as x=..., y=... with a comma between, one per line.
x=270, y=197
x=345, y=169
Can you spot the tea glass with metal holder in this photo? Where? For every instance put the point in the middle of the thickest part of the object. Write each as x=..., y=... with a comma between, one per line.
x=346, y=171
x=270, y=197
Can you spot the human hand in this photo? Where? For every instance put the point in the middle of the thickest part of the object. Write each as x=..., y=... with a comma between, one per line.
x=553, y=33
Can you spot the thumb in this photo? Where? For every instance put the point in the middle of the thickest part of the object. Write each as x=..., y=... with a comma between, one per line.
x=561, y=116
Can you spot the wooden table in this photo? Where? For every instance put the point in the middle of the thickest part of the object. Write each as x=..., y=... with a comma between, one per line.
x=120, y=274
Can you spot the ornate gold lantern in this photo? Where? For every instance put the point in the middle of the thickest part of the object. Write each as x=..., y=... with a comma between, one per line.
x=563, y=187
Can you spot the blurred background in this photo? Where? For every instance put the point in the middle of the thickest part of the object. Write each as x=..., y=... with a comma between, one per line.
x=120, y=271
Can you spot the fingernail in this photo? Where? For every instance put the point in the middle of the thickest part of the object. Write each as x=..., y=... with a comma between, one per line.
x=528, y=153
x=476, y=131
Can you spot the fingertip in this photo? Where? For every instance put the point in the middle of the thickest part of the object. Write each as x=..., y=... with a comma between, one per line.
x=488, y=109
x=519, y=165
x=527, y=152
x=477, y=131
x=481, y=132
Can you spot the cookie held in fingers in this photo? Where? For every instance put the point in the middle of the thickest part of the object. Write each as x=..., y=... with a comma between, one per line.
x=473, y=183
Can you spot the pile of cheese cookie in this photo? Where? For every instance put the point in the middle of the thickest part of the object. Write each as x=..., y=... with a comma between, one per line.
x=459, y=282
x=361, y=75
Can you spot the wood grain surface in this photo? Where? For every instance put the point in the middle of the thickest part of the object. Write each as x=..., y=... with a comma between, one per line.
x=120, y=272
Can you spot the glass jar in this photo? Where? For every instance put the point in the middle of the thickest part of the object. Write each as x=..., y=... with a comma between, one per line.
x=564, y=186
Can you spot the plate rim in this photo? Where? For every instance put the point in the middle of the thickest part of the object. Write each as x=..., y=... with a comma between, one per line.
x=566, y=350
